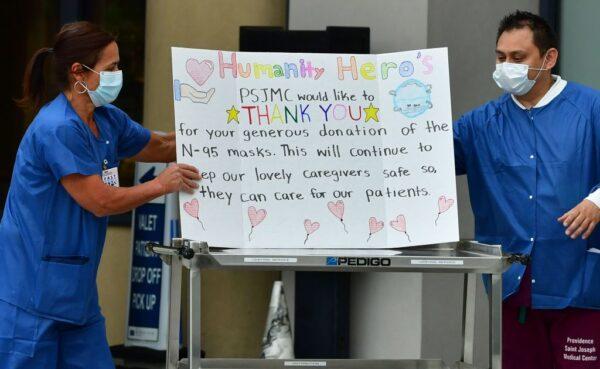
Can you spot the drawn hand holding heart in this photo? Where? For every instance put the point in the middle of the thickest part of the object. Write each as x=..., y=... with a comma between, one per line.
x=200, y=71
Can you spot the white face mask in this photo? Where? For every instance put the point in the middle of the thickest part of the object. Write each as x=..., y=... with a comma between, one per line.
x=513, y=77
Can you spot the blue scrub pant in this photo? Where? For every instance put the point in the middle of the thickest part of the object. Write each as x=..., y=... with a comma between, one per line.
x=28, y=341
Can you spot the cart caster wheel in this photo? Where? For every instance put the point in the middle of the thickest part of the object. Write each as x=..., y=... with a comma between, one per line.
x=187, y=252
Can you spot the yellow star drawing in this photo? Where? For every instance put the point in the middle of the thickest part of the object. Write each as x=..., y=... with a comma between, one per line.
x=371, y=113
x=232, y=114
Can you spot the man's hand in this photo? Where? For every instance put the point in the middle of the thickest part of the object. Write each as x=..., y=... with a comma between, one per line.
x=581, y=219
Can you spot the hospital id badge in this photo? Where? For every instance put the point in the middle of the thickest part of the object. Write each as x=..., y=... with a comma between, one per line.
x=111, y=176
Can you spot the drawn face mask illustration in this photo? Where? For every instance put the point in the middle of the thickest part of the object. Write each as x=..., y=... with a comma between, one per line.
x=412, y=98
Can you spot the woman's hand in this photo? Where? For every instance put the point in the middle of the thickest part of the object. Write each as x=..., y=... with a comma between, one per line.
x=581, y=219
x=179, y=177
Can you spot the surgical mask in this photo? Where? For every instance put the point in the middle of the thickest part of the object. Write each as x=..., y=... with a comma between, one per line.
x=108, y=89
x=512, y=77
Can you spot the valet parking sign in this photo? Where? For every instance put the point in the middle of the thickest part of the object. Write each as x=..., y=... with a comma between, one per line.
x=149, y=278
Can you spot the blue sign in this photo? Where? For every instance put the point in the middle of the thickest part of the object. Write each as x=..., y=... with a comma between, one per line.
x=148, y=176
x=332, y=260
x=146, y=273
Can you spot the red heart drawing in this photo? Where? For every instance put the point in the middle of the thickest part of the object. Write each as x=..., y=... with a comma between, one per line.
x=199, y=71
x=256, y=216
x=399, y=223
x=311, y=227
x=192, y=208
x=375, y=225
x=444, y=204
x=336, y=208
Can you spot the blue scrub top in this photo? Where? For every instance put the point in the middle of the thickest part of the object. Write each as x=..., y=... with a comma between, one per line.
x=525, y=168
x=50, y=246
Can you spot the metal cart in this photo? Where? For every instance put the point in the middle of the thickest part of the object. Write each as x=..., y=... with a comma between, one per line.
x=467, y=257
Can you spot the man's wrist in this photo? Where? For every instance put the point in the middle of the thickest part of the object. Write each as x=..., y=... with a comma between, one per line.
x=594, y=197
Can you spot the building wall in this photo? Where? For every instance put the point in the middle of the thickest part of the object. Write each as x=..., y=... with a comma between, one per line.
x=578, y=52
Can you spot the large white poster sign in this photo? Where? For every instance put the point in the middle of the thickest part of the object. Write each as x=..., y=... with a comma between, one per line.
x=316, y=150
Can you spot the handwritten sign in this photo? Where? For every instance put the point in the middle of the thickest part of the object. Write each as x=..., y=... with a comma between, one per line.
x=316, y=150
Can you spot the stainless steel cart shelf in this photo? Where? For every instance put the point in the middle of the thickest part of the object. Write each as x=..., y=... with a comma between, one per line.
x=467, y=257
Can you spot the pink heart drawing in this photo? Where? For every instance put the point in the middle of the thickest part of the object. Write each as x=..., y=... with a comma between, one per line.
x=311, y=227
x=336, y=208
x=444, y=204
x=399, y=223
x=256, y=216
x=192, y=208
x=375, y=225
x=199, y=71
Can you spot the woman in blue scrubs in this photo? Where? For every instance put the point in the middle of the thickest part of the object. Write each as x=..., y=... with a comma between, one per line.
x=62, y=191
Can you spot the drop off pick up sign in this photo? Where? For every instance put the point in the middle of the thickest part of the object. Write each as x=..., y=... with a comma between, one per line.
x=316, y=150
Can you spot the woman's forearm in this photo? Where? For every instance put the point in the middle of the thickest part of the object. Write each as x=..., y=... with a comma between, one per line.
x=117, y=200
x=101, y=199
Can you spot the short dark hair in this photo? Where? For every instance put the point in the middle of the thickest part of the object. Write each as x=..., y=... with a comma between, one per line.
x=544, y=36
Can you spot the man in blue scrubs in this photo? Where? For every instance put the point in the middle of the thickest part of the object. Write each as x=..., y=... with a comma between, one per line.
x=62, y=190
x=532, y=159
